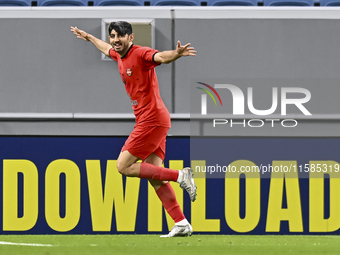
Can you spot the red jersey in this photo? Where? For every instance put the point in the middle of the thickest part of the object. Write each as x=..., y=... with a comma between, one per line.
x=137, y=70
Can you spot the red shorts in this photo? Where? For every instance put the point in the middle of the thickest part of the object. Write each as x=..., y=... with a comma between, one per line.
x=145, y=140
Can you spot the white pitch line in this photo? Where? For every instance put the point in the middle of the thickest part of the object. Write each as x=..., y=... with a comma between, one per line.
x=24, y=244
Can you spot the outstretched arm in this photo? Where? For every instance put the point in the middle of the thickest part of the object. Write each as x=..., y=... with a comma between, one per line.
x=101, y=45
x=171, y=55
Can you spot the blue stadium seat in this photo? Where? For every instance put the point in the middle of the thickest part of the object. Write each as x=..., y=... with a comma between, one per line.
x=118, y=2
x=15, y=3
x=329, y=3
x=288, y=2
x=232, y=2
x=62, y=3
x=175, y=2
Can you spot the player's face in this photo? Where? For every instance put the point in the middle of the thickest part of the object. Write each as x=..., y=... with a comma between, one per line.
x=120, y=43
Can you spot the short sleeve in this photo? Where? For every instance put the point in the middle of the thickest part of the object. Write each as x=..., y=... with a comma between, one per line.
x=113, y=54
x=148, y=55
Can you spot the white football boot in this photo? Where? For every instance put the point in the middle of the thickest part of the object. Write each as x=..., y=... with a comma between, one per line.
x=180, y=230
x=188, y=183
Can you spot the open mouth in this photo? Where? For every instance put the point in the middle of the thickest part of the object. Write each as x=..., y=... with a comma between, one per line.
x=118, y=46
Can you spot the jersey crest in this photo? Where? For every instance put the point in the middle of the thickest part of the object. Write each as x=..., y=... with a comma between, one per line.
x=129, y=72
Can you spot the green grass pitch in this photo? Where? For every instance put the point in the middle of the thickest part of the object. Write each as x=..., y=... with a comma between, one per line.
x=153, y=244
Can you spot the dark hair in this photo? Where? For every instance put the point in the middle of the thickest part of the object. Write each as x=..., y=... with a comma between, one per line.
x=121, y=27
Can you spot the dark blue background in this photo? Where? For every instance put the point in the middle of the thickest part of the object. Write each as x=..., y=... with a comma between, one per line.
x=43, y=150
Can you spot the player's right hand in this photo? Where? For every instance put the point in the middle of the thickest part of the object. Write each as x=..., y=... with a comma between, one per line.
x=80, y=33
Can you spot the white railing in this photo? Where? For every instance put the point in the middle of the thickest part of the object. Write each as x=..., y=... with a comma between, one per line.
x=77, y=116
x=174, y=116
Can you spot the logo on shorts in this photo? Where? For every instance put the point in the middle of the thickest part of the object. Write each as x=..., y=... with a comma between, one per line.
x=129, y=72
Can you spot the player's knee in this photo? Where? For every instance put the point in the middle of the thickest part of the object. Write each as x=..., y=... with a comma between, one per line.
x=121, y=167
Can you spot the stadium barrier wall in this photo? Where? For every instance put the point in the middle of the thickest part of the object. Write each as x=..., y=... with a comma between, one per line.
x=47, y=71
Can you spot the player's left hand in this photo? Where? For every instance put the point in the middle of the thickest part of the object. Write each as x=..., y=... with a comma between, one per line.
x=185, y=50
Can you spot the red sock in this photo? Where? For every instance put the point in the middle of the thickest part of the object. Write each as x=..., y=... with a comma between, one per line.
x=167, y=195
x=149, y=171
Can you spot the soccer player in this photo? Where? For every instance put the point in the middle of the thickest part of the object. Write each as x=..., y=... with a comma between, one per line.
x=147, y=140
